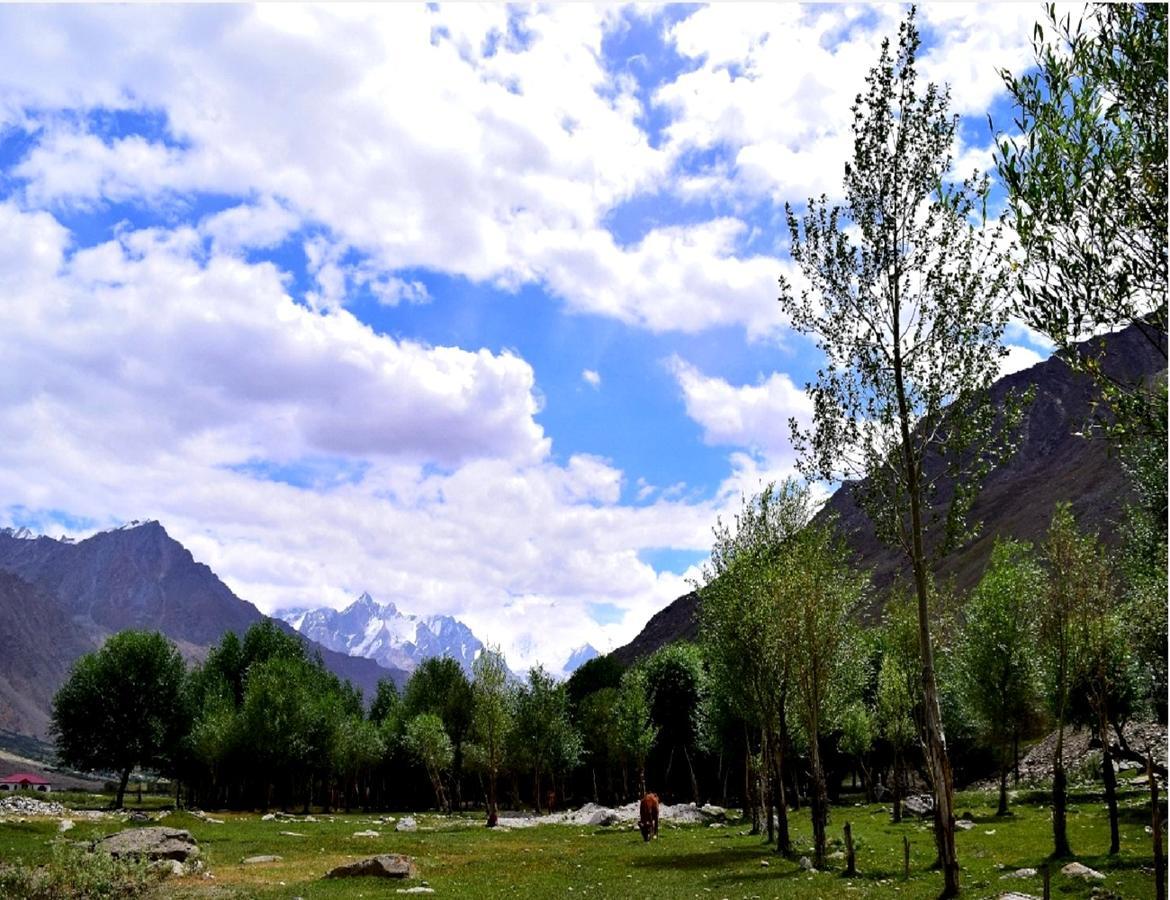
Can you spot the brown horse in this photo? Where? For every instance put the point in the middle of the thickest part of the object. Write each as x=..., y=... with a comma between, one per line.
x=648, y=816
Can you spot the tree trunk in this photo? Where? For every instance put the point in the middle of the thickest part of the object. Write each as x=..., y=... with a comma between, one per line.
x=122, y=787
x=766, y=788
x=897, y=786
x=1002, y=809
x=1110, y=778
x=783, y=838
x=936, y=742
x=493, y=811
x=536, y=791
x=1156, y=829
x=819, y=801
x=694, y=781
x=1060, y=847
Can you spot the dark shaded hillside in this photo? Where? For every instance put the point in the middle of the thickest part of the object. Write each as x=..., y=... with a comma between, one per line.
x=1054, y=462
x=39, y=643
x=60, y=599
x=138, y=577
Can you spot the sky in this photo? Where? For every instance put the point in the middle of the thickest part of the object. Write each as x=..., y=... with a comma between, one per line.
x=469, y=307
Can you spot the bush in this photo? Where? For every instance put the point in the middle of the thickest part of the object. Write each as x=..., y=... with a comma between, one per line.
x=74, y=874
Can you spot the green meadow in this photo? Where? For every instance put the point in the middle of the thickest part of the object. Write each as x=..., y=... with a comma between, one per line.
x=458, y=858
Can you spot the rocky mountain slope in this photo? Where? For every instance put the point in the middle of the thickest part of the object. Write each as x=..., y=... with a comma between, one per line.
x=60, y=599
x=1055, y=461
x=381, y=632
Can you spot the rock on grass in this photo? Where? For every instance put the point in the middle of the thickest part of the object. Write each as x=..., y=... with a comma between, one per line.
x=384, y=865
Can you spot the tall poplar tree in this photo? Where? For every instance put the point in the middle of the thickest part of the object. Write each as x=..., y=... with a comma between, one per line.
x=904, y=299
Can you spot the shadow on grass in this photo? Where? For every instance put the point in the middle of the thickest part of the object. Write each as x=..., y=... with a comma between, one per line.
x=705, y=860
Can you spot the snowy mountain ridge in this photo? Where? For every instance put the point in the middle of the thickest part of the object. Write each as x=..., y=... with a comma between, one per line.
x=383, y=633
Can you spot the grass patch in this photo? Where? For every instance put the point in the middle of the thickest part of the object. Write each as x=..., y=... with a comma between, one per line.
x=461, y=859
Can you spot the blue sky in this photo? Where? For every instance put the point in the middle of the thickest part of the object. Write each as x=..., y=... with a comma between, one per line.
x=470, y=307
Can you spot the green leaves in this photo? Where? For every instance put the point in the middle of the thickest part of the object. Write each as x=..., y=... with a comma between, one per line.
x=123, y=706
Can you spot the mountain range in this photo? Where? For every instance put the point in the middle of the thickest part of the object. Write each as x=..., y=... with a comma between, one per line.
x=379, y=631
x=1056, y=459
x=384, y=633
x=60, y=599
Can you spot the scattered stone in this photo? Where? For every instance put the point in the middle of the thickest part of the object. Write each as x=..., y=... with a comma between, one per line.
x=292, y=834
x=764, y=863
x=1016, y=895
x=417, y=889
x=964, y=824
x=268, y=817
x=407, y=824
x=257, y=860
x=150, y=843
x=921, y=805
x=806, y=864
x=713, y=812
x=65, y=825
x=384, y=865
x=1078, y=870
x=167, y=867
x=366, y=834
x=1021, y=873
x=31, y=806
x=837, y=854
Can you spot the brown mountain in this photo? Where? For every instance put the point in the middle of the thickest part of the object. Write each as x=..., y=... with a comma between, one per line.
x=60, y=599
x=1055, y=461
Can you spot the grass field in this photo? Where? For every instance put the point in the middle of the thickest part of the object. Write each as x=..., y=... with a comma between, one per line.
x=459, y=858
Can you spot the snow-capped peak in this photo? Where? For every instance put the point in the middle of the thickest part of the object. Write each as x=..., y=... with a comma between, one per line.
x=381, y=632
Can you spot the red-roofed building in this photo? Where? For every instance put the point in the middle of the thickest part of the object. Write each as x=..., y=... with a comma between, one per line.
x=22, y=781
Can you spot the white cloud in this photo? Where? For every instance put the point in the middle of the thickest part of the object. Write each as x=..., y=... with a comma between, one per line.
x=260, y=225
x=305, y=457
x=1017, y=359
x=591, y=378
x=750, y=416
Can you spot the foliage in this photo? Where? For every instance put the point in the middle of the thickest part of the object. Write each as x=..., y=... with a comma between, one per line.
x=440, y=686
x=593, y=675
x=905, y=300
x=818, y=592
x=998, y=663
x=634, y=732
x=122, y=706
x=74, y=874
x=545, y=740
x=895, y=703
x=1086, y=178
x=386, y=701
x=1087, y=182
x=492, y=717
x=428, y=741
x=858, y=729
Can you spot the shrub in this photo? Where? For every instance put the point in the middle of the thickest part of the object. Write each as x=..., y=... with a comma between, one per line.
x=74, y=874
